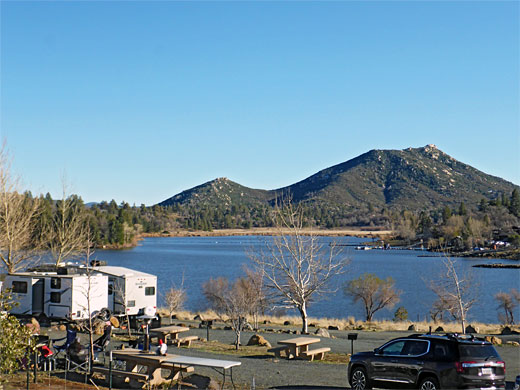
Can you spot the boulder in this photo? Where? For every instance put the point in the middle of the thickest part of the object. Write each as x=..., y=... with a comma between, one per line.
x=198, y=317
x=472, y=329
x=266, y=322
x=312, y=325
x=62, y=327
x=257, y=339
x=322, y=333
x=333, y=327
x=513, y=343
x=439, y=329
x=506, y=331
x=228, y=328
x=493, y=340
x=413, y=328
x=287, y=323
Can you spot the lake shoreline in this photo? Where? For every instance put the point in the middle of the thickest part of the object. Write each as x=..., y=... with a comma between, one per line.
x=375, y=233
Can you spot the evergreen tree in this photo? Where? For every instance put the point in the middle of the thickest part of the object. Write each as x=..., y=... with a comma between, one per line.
x=514, y=204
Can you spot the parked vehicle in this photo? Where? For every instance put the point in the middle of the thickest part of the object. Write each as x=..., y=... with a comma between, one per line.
x=129, y=291
x=62, y=294
x=429, y=362
x=517, y=383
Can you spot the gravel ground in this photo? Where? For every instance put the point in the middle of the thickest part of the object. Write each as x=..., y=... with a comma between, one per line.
x=269, y=372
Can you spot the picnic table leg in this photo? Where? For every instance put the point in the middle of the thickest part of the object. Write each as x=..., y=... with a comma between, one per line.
x=231, y=376
x=154, y=375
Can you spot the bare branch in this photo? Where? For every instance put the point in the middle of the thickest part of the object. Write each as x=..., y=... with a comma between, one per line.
x=18, y=213
x=296, y=266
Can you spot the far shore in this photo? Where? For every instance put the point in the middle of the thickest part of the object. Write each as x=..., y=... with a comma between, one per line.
x=273, y=232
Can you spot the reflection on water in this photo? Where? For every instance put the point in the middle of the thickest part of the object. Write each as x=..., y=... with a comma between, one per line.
x=199, y=258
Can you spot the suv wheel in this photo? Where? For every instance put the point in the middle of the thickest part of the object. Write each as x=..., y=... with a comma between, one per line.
x=359, y=379
x=429, y=383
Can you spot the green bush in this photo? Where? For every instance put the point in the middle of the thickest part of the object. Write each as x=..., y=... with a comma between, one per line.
x=15, y=338
x=401, y=314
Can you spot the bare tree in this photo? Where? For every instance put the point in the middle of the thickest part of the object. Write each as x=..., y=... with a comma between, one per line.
x=93, y=289
x=297, y=268
x=121, y=302
x=67, y=231
x=175, y=298
x=259, y=301
x=507, y=303
x=375, y=293
x=18, y=213
x=455, y=292
x=230, y=301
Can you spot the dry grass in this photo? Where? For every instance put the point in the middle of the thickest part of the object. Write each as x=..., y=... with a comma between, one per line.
x=271, y=232
x=351, y=323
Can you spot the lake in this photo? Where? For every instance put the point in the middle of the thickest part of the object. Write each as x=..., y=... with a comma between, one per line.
x=196, y=259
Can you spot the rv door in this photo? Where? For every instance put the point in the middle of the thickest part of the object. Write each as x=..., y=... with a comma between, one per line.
x=111, y=294
x=38, y=295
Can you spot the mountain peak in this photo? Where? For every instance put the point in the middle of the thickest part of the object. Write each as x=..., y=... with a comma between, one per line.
x=412, y=179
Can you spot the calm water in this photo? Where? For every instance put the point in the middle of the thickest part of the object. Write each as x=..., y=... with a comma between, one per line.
x=199, y=258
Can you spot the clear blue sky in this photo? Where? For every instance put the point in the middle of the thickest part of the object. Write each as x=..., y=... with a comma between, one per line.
x=138, y=101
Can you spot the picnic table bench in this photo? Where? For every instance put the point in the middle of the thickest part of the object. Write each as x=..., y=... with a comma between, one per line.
x=185, y=340
x=278, y=351
x=319, y=353
x=120, y=373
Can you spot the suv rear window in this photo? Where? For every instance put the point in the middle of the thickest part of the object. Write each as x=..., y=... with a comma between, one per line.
x=474, y=351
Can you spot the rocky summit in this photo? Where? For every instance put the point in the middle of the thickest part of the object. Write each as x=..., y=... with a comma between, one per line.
x=411, y=179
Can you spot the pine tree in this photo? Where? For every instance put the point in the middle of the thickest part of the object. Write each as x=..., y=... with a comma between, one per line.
x=514, y=204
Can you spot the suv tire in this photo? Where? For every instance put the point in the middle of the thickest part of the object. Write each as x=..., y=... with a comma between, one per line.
x=359, y=379
x=429, y=383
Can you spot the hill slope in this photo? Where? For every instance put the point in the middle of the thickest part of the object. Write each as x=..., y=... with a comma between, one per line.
x=219, y=192
x=413, y=179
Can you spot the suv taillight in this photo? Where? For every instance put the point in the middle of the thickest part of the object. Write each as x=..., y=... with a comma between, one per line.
x=460, y=366
x=502, y=364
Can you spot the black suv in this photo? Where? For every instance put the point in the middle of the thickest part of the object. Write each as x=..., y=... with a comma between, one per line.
x=429, y=362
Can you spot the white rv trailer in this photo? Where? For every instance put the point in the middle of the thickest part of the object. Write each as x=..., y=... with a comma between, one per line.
x=63, y=294
x=129, y=290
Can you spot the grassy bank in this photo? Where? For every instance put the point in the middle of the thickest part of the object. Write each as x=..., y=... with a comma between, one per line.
x=349, y=323
x=270, y=232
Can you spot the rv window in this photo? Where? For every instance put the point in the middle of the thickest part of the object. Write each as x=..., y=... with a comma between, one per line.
x=149, y=291
x=55, y=297
x=110, y=289
x=56, y=283
x=19, y=287
x=131, y=304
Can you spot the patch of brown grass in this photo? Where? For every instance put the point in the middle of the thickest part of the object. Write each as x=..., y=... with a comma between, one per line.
x=350, y=323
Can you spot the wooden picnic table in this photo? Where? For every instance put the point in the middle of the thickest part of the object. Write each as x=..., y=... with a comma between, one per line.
x=298, y=345
x=171, y=332
x=152, y=363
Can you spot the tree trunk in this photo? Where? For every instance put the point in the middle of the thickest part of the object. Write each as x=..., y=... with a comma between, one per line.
x=303, y=313
x=237, y=341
